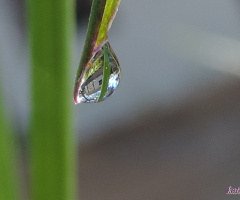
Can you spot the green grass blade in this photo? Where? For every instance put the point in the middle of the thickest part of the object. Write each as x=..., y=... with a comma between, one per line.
x=8, y=175
x=52, y=147
x=92, y=31
x=106, y=73
x=100, y=20
x=110, y=11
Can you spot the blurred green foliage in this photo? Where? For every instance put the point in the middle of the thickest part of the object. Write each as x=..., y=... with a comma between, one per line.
x=52, y=147
x=8, y=175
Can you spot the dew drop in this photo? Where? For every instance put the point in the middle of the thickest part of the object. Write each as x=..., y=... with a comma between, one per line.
x=100, y=77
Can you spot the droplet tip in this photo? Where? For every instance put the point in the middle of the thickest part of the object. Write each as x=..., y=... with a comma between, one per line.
x=75, y=100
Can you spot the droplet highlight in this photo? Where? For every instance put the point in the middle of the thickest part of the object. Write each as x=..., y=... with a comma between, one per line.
x=101, y=76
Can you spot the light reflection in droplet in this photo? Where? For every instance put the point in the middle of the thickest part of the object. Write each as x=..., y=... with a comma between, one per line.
x=92, y=77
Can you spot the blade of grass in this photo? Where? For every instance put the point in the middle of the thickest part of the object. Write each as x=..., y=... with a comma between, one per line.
x=95, y=19
x=8, y=175
x=52, y=147
x=106, y=72
x=102, y=14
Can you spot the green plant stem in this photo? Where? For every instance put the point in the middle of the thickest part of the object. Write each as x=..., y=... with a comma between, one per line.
x=93, y=27
x=106, y=72
x=8, y=175
x=52, y=146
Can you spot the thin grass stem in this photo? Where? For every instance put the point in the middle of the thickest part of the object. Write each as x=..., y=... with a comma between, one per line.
x=52, y=146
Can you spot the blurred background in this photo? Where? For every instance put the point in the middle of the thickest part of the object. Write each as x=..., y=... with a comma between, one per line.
x=171, y=130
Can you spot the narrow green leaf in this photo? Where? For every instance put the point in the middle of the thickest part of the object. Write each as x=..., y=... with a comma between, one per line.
x=101, y=17
x=93, y=26
x=106, y=72
x=52, y=146
x=8, y=175
x=110, y=11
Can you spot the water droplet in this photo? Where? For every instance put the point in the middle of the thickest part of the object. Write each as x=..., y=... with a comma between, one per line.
x=100, y=77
